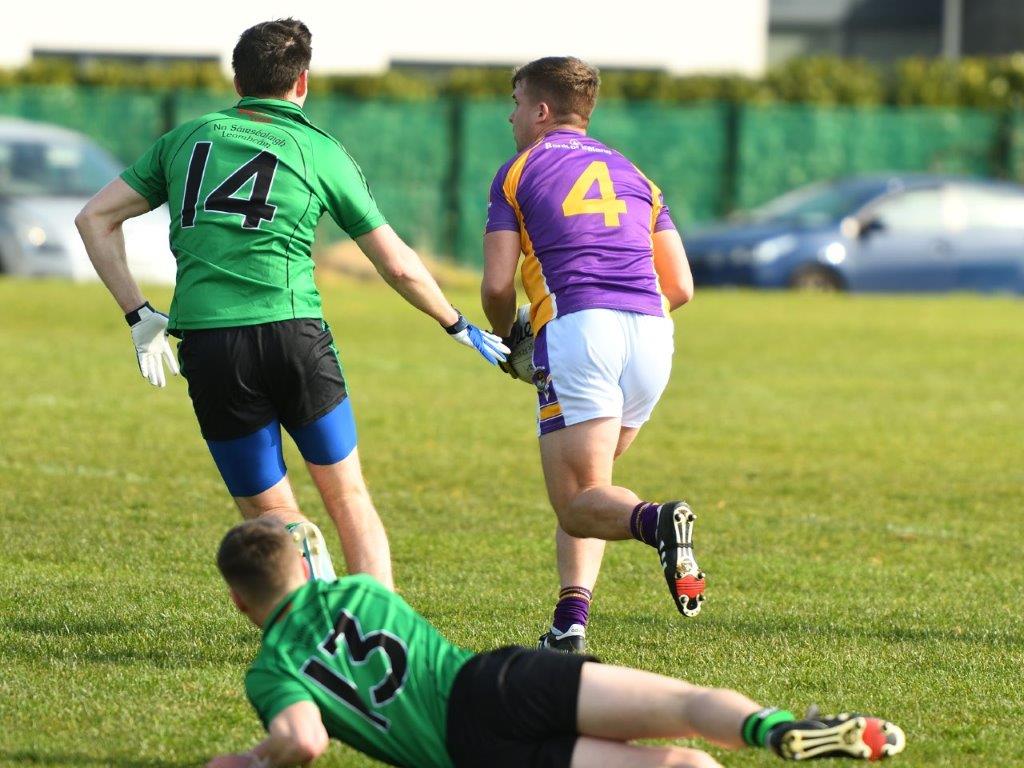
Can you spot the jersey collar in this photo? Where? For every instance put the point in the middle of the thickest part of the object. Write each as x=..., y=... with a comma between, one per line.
x=280, y=107
x=282, y=608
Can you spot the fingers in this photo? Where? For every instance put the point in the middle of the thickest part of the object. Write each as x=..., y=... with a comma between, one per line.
x=484, y=342
x=494, y=341
x=152, y=368
x=489, y=345
x=168, y=355
x=499, y=352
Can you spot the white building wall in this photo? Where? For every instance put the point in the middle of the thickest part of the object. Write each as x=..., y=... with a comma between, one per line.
x=683, y=36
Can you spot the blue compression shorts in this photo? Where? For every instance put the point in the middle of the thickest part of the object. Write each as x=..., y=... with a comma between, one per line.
x=254, y=463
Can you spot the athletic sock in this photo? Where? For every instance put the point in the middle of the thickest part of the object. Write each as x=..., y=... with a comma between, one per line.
x=758, y=727
x=643, y=524
x=573, y=607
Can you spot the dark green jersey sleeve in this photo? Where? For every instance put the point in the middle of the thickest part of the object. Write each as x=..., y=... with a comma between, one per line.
x=345, y=193
x=147, y=175
x=270, y=693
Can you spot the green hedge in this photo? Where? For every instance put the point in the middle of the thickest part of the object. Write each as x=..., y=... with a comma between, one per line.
x=973, y=82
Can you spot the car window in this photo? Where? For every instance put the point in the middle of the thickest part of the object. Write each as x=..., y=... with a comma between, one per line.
x=920, y=211
x=993, y=209
x=32, y=167
x=814, y=204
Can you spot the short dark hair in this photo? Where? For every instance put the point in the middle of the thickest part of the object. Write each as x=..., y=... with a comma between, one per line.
x=270, y=56
x=253, y=558
x=568, y=85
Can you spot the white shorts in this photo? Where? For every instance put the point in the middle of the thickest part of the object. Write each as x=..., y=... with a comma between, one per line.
x=601, y=363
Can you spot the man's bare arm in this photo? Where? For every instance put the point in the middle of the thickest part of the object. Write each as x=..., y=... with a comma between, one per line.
x=99, y=224
x=672, y=267
x=498, y=288
x=403, y=270
x=296, y=736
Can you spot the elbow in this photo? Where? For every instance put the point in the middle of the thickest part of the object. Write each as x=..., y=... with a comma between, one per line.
x=400, y=268
x=82, y=219
x=685, y=294
x=492, y=294
x=310, y=746
x=395, y=273
x=679, y=295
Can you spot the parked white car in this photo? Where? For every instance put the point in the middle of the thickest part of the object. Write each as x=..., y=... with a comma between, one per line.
x=47, y=174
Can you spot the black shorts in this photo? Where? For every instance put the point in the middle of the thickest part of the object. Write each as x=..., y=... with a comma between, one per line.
x=240, y=379
x=515, y=708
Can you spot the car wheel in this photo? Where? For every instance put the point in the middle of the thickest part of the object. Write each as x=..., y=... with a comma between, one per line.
x=814, y=277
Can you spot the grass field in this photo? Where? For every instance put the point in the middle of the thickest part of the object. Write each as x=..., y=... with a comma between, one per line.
x=856, y=465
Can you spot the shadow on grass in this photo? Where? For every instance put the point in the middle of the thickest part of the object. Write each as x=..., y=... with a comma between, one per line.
x=117, y=641
x=32, y=757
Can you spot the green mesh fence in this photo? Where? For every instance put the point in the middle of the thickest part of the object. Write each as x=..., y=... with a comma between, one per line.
x=1015, y=148
x=406, y=155
x=781, y=147
x=430, y=164
x=484, y=138
x=124, y=122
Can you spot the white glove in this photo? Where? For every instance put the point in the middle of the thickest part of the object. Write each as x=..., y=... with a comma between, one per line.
x=149, y=334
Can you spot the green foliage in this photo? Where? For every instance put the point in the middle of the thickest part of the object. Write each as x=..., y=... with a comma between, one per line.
x=854, y=462
x=990, y=83
x=389, y=85
x=479, y=82
x=974, y=82
x=825, y=80
x=118, y=74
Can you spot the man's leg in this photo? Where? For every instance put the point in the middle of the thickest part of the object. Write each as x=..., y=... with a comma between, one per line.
x=601, y=753
x=579, y=562
x=347, y=500
x=254, y=471
x=278, y=502
x=577, y=462
x=621, y=704
x=328, y=444
x=568, y=475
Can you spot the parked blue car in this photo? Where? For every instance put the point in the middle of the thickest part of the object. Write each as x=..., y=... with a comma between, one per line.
x=873, y=233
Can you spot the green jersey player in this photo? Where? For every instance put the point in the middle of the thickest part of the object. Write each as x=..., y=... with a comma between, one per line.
x=351, y=660
x=246, y=187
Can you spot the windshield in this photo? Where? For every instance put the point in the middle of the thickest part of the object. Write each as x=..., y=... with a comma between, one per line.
x=814, y=204
x=69, y=169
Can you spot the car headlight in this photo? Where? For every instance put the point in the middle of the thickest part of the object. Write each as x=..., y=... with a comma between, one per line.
x=774, y=248
x=34, y=238
x=834, y=253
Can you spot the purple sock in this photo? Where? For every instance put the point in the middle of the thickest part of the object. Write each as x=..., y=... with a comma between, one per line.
x=644, y=523
x=573, y=607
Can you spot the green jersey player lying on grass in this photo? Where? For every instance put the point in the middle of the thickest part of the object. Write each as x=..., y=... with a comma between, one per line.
x=351, y=660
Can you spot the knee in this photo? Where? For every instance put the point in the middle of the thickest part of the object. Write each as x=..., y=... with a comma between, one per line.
x=284, y=513
x=684, y=757
x=571, y=510
x=571, y=521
